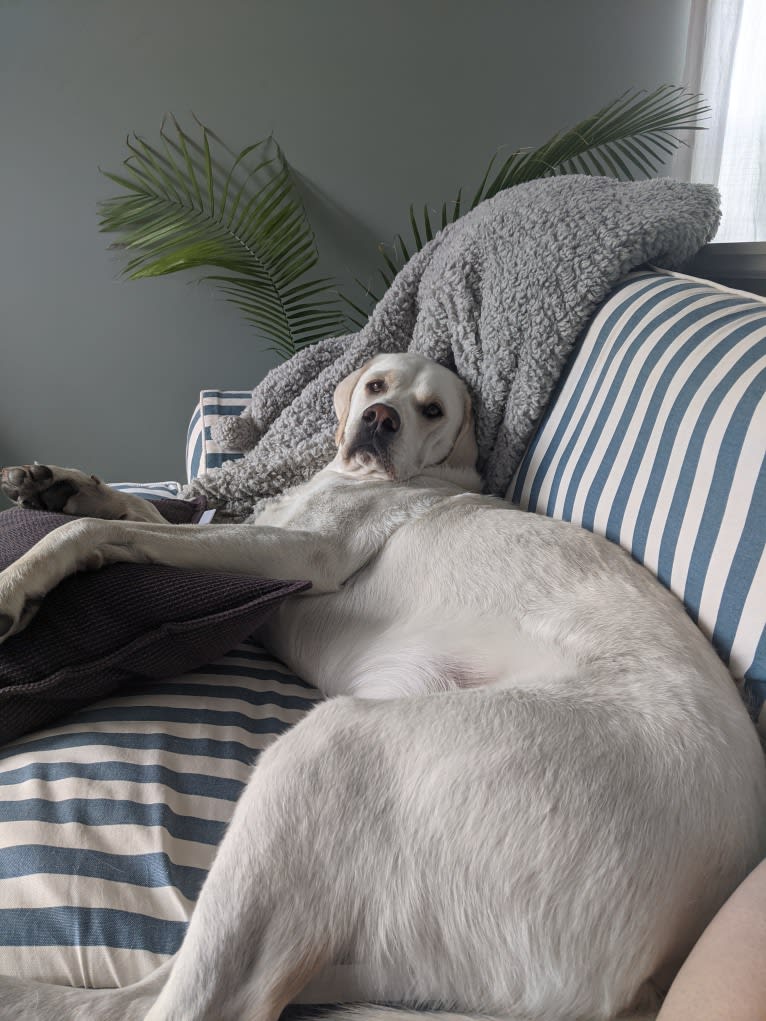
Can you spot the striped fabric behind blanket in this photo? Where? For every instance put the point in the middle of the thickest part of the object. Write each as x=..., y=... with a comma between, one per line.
x=109, y=821
x=657, y=439
x=150, y=490
x=202, y=453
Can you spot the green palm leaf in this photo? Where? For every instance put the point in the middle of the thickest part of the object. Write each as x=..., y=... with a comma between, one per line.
x=188, y=204
x=628, y=138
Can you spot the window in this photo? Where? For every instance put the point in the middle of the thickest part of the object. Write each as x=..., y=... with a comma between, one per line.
x=725, y=62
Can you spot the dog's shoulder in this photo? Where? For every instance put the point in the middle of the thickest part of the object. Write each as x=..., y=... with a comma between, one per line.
x=333, y=502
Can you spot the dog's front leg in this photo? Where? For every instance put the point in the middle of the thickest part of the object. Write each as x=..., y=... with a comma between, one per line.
x=86, y=543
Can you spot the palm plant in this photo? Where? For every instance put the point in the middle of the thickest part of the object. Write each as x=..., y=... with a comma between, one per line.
x=628, y=138
x=189, y=204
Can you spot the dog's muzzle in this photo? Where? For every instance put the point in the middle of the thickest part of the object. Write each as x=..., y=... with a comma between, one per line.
x=378, y=426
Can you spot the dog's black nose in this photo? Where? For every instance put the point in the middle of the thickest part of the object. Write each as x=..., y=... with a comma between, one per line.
x=381, y=416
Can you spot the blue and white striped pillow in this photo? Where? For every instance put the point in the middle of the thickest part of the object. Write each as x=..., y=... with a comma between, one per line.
x=150, y=490
x=657, y=439
x=109, y=820
x=202, y=453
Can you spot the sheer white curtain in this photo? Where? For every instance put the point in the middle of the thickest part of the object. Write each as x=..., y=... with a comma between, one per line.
x=726, y=62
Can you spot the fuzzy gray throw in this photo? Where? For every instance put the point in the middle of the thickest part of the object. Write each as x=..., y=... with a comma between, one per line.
x=500, y=296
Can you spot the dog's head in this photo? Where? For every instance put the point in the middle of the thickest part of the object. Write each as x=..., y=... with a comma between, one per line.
x=400, y=414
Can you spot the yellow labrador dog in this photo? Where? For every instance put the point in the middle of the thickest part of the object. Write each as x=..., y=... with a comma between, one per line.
x=546, y=789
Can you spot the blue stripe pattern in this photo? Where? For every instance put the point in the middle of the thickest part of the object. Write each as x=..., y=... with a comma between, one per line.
x=145, y=739
x=109, y=820
x=202, y=454
x=197, y=784
x=113, y=812
x=150, y=490
x=149, y=870
x=99, y=928
x=657, y=439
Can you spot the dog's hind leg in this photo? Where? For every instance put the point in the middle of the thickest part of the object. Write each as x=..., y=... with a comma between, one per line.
x=281, y=899
x=37, y=1001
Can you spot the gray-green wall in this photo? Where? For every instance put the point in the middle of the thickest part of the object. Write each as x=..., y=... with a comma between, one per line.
x=376, y=102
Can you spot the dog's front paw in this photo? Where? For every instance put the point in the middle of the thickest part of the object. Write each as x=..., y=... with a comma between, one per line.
x=40, y=486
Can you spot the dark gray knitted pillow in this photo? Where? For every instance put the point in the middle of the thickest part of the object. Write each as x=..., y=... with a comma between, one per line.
x=101, y=630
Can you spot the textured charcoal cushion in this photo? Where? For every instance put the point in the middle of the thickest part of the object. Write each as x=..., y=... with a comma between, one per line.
x=181, y=512
x=125, y=623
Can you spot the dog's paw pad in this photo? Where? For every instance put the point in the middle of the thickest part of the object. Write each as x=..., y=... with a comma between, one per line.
x=38, y=486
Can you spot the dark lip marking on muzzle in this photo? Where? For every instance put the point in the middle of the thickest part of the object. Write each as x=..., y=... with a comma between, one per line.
x=377, y=448
x=374, y=444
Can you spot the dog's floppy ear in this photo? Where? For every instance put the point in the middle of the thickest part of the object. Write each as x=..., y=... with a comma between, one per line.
x=342, y=399
x=464, y=450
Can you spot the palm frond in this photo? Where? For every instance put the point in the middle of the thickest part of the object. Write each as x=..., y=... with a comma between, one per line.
x=629, y=138
x=189, y=203
x=620, y=140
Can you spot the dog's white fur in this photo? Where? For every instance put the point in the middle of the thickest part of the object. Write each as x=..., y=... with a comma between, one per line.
x=539, y=830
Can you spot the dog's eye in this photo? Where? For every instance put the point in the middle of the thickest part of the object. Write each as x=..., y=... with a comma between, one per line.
x=432, y=411
x=376, y=386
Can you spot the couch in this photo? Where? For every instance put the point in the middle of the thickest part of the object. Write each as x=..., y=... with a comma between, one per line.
x=655, y=437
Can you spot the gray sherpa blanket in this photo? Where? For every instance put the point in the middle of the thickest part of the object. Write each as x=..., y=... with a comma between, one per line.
x=500, y=296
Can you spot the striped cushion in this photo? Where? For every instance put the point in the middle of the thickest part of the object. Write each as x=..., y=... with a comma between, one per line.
x=109, y=821
x=657, y=439
x=202, y=453
x=150, y=490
